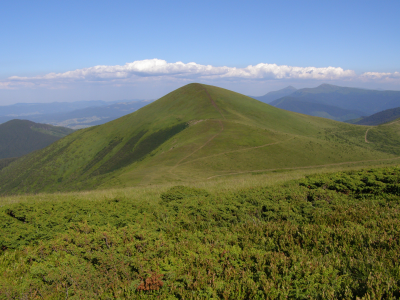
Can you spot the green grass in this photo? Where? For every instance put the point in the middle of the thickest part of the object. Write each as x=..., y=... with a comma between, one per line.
x=192, y=134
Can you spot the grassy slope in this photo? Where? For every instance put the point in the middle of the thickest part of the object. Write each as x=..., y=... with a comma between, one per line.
x=228, y=133
x=20, y=137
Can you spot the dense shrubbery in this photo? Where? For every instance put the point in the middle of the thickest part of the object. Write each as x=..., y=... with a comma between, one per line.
x=324, y=237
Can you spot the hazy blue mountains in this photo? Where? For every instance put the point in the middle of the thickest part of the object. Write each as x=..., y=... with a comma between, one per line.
x=335, y=102
x=316, y=109
x=363, y=100
x=29, y=109
x=74, y=115
x=271, y=96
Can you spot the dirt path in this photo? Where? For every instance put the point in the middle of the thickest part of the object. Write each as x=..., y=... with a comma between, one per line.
x=366, y=133
x=233, y=151
x=390, y=123
x=210, y=139
x=306, y=167
x=212, y=101
x=264, y=170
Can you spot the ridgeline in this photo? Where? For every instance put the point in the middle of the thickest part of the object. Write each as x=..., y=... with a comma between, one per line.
x=197, y=132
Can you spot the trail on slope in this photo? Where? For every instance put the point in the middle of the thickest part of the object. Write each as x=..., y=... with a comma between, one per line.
x=366, y=133
x=212, y=101
x=210, y=139
x=233, y=151
x=305, y=167
x=246, y=149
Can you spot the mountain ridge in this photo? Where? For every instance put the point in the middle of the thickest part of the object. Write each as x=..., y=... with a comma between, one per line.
x=316, y=109
x=365, y=100
x=193, y=133
x=20, y=137
x=271, y=96
x=381, y=117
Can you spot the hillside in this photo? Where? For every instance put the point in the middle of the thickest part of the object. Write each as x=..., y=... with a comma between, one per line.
x=197, y=132
x=315, y=109
x=271, y=96
x=381, y=117
x=20, y=137
x=366, y=101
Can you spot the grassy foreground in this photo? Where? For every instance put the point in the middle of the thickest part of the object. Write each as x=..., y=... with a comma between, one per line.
x=323, y=236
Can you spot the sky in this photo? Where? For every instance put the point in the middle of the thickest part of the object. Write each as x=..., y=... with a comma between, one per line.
x=116, y=50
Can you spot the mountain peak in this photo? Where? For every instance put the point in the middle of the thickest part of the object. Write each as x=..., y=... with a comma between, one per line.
x=289, y=88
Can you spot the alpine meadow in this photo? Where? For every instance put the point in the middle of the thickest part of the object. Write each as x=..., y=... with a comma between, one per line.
x=205, y=194
x=196, y=133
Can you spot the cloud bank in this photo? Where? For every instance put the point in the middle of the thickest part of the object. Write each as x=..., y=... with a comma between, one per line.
x=157, y=69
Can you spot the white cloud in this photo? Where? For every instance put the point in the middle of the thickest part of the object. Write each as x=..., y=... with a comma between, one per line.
x=380, y=76
x=160, y=69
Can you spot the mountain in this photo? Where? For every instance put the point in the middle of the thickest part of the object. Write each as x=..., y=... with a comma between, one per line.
x=366, y=101
x=197, y=132
x=20, y=137
x=315, y=109
x=271, y=96
x=381, y=117
x=92, y=115
x=29, y=109
x=89, y=115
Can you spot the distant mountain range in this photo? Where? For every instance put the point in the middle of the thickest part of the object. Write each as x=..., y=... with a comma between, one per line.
x=271, y=96
x=73, y=115
x=28, y=109
x=316, y=109
x=334, y=102
x=368, y=101
x=20, y=137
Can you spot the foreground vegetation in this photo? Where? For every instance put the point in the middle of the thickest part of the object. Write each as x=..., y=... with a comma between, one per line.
x=326, y=236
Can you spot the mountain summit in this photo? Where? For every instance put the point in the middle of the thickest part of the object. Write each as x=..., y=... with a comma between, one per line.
x=197, y=132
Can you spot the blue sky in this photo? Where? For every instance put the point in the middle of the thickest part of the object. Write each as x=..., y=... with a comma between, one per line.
x=359, y=39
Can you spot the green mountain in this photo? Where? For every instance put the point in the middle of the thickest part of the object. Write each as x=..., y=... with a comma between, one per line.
x=20, y=137
x=197, y=132
x=316, y=109
x=381, y=117
x=271, y=96
x=366, y=101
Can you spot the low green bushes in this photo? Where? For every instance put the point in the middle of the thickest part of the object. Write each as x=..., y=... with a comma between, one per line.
x=324, y=237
